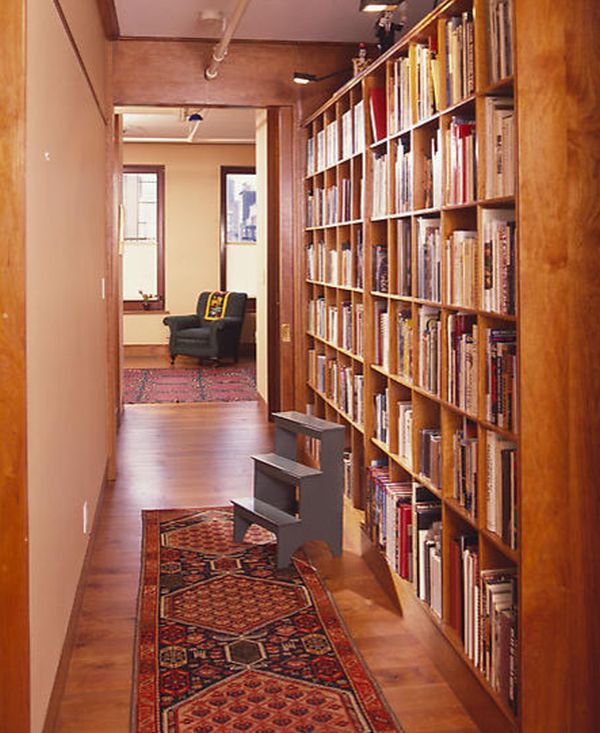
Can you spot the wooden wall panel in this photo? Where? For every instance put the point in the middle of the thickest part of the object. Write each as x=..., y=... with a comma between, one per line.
x=559, y=231
x=582, y=32
x=14, y=576
x=253, y=74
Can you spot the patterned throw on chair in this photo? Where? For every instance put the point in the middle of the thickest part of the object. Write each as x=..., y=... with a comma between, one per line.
x=227, y=643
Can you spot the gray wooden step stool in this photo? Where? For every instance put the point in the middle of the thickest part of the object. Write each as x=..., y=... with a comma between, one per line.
x=296, y=502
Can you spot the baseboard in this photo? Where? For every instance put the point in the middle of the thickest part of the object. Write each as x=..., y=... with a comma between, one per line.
x=141, y=350
x=60, y=679
x=146, y=350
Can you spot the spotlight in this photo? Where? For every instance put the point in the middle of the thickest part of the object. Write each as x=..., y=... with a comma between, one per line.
x=195, y=117
x=302, y=78
x=368, y=6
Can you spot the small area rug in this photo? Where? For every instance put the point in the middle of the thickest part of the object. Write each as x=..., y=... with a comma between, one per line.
x=227, y=643
x=205, y=384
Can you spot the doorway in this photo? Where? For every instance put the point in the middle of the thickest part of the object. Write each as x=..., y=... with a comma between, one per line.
x=194, y=203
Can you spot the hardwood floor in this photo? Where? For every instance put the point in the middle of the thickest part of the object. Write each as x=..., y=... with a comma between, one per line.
x=192, y=455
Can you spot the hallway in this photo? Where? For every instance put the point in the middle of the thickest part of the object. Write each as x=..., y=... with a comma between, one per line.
x=198, y=455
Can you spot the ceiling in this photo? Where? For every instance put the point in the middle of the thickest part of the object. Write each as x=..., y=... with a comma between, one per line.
x=170, y=124
x=281, y=20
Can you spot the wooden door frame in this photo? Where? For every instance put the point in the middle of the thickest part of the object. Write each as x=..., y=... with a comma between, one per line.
x=280, y=258
x=14, y=573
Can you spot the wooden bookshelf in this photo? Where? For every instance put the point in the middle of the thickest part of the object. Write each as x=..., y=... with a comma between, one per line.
x=353, y=224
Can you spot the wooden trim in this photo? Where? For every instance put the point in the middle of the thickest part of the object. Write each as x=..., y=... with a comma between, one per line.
x=75, y=47
x=159, y=303
x=14, y=571
x=60, y=678
x=110, y=19
x=246, y=41
x=286, y=257
x=225, y=171
x=273, y=320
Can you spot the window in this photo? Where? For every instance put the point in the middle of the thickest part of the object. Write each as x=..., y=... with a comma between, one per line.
x=238, y=229
x=143, y=229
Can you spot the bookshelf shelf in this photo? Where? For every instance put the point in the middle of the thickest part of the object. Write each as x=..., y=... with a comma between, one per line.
x=423, y=300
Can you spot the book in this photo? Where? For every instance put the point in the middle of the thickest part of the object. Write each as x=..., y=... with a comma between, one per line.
x=377, y=108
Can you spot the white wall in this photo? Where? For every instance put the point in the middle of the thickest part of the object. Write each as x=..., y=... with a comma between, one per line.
x=66, y=320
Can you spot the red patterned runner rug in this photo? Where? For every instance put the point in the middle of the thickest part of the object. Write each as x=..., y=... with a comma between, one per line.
x=205, y=384
x=227, y=643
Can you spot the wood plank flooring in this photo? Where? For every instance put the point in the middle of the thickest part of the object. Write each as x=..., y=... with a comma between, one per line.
x=190, y=455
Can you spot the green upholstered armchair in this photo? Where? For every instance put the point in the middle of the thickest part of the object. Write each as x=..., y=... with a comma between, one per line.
x=199, y=336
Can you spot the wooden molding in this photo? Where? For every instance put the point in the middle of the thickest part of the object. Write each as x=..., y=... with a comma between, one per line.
x=70, y=637
x=14, y=569
x=110, y=19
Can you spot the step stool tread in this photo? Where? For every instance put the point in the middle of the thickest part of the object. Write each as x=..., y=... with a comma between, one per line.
x=265, y=511
x=305, y=424
x=293, y=469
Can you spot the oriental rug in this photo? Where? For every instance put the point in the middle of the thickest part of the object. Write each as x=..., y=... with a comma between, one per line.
x=226, y=643
x=205, y=384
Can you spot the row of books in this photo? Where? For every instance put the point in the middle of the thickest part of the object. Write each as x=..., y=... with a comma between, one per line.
x=500, y=39
x=462, y=362
x=483, y=605
x=380, y=268
x=405, y=336
x=322, y=263
x=463, y=253
x=380, y=185
x=334, y=205
x=500, y=146
x=430, y=347
x=323, y=150
x=404, y=520
x=382, y=335
x=403, y=194
x=429, y=259
x=352, y=320
x=498, y=270
x=404, y=250
x=427, y=78
x=433, y=173
x=431, y=455
x=340, y=384
x=461, y=268
x=460, y=57
x=381, y=416
x=405, y=423
x=501, y=487
x=348, y=463
x=461, y=162
x=465, y=467
x=501, y=377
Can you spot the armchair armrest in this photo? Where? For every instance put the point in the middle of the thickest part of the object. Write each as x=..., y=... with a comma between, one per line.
x=176, y=323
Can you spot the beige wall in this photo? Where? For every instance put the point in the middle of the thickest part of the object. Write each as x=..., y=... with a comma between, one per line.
x=192, y=222
x=66, y=335
x=261, y=236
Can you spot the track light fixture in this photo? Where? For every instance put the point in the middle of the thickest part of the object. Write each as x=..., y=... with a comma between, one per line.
x=195, y=117
x=301, y=78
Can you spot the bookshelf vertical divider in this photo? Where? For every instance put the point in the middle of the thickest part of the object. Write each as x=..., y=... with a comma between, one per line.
x=428, y=385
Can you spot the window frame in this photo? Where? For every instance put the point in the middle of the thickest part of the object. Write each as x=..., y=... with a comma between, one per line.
x=225, y=171
x=134, y=306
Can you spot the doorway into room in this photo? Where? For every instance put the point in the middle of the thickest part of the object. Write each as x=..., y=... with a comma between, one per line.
x=193, y=221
